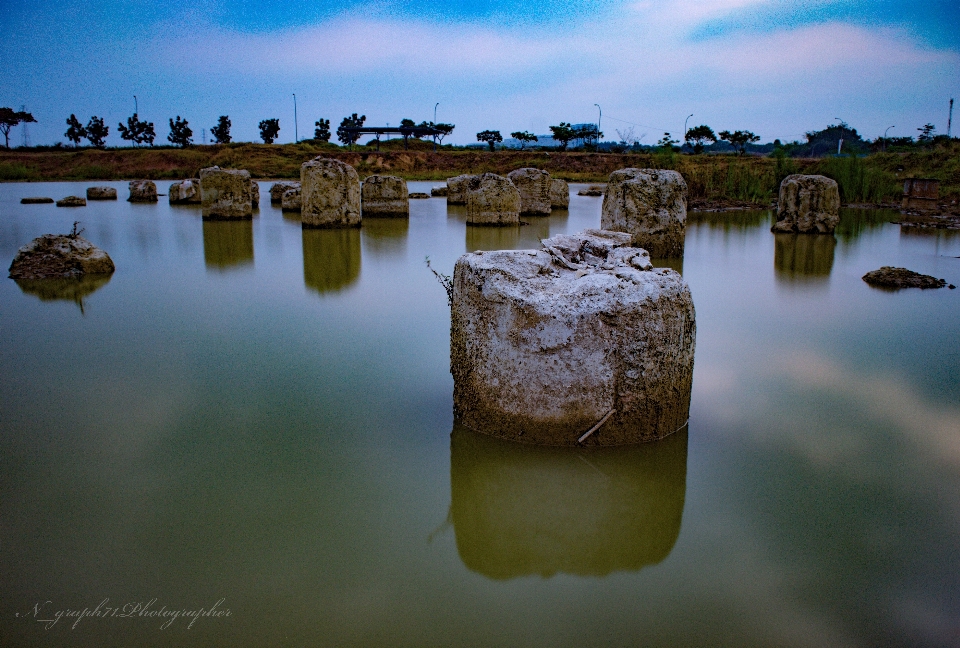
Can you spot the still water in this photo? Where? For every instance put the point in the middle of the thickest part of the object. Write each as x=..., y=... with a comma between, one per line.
x=258, y=419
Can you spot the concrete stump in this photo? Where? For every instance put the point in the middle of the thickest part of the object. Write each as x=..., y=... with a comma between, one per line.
x=254, y=193
x=329, y=194
x=382, y=195
x=534, y=187
x=279, y=188
x=492, y=200
x=142, y=191
x=185, y=192
x=545, y=344
x=59, y=255
x=559, y=194
x=226, y=193
x=291, y=200
x=457, y=189
x=72, y=201
x=651, y=206
x=101, y=193
x=439, y=192
x=808, y=204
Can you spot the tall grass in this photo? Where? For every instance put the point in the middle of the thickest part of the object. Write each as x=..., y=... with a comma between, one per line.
x=860, y=183
x=17, y=171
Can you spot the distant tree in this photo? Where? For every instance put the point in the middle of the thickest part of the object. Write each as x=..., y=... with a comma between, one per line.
x=698, y=135
x=10, y=118
x=136, y=131
x=269, y=129
x=667, y=142
x=406, y=124
x=587, y=132
x=491, y=137
x=523, y=137
x=926, y=135
x=563, y=133
x=628, y=136
x=180, y=133
x=97, y=132
x=322, y=130
x=353, y=121
x=739, y=139
x=445, y=129
x=75, y=131
x=221, y=132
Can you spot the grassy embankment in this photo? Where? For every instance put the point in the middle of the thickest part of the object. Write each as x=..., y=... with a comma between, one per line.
x=711, y=178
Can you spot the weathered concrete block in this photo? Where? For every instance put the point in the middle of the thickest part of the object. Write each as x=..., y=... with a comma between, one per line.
x=383, y=195
x=59, y=255
x=101, y=193
x=808, y=204
x=279, y=188
x=492, y=200
x=329, y=194
x=72, y=201
x=458, y=187
x=254, y=193
x=225, y=193
x=291, y=200
x=142, y=191
x=439, y=192
x=185, y=192
x=36, y=200
x=651, y=206
x=545, y=344
x=534, y=187
x=559, y=194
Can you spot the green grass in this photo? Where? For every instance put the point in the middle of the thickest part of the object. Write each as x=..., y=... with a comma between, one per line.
x=860, y=182
x=17, y=171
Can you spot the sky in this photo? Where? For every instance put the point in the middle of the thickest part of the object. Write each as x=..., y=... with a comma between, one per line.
x=779, y=68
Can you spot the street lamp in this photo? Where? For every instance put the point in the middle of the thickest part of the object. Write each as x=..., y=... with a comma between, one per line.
x=885, y=137
x=296, y=135
x=599, y=118
x=136, y=108
x=435, y=124
x=840, y=143
x=685, y=127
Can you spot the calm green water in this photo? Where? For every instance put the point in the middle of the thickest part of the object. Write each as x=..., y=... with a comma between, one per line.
x=262, y=416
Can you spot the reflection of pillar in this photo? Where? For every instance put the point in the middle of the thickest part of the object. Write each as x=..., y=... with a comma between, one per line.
x=803, y=257
x=73, y=289
x=519, y=510
x=331, y=258
x=536, y=229
x=227, y=243
x=385, y=236
x=485, y=238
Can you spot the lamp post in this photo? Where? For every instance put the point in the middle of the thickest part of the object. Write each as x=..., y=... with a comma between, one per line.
x=136, y=108
x=435, y=124
x=599, y=118
x=296, y=135
x=885, y=137
x=840, y=143
x=685, y=128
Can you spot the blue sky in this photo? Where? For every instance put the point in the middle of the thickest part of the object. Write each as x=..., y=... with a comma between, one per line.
x=776, y=67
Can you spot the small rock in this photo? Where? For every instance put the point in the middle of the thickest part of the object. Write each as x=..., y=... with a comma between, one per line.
x=279, y=188
x=419, y=195
x=144, y=191
x=291, y=201
x=72, y=201
x=59, y=255
x=439, y=192
x=101, y=193
x=185, y=192
x=36, y=200
x=592, y=190
x=896, y=278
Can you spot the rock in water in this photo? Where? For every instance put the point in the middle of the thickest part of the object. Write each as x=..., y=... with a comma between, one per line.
x=59, y=255
x=101, y=193
x=457, y=189
x=895, y=278
x=559, y=194
x=254, y=193
x=279, y=188
x=651, y=206
x=142, y=191
x=226, y=193
x=72, y=201
x=534, y=187
x=185, y=192
x=592, y=190
x=330, y=194
x=808, y=204
x=492, y=200
x=419, y=195
x=36, y=200
x=439, y=192
x=545, y=344
x=383, y=195
x=290, y=202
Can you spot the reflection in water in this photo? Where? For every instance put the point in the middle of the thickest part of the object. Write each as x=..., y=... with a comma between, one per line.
x=536, y=228
x=803, y=257
x=490, y=237
x=519, y=510
x=732, y=220
x=65, y=288
x=385, y=236
x=854, y=222
x=227, y=243
x=331, y=258
x=672, y=263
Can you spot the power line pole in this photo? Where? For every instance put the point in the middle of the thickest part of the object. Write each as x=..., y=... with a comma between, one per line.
x=950, y=119
x=296, y=136
x=26, y=136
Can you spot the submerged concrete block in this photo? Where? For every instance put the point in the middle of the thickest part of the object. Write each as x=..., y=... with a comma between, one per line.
x=185, y=192
x=492, y=200
x=101, y=193
x=559, y=194
x=254, y=193
x=547, y=343
x=808, y=204
x=382, y=195
x=457, y=188
x=226, y=193
x=534, y=187
x=329, y=194
x=291, y=200
x=651, y=206
x=277, y=189
x=143, y=191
